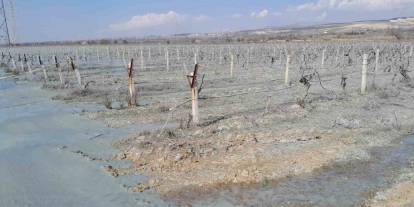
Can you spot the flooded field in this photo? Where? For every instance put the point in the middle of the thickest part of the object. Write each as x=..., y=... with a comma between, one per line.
x=50, y=156
x=315, y=124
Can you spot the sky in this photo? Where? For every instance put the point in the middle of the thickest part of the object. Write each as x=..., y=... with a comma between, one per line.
x=55, y=20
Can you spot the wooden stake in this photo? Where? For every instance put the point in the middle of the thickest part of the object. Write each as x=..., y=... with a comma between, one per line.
x=131, y=84
x=364, y=74
x=287, y=81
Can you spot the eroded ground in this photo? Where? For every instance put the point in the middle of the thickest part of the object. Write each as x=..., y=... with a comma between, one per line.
x=254, y=129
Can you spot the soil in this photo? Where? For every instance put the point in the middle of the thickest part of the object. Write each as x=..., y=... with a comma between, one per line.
x=254, y=129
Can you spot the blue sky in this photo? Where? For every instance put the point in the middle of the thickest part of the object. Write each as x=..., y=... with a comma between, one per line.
x=43, y=20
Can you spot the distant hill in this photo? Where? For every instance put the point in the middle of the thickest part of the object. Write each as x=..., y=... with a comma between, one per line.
x=401, y=28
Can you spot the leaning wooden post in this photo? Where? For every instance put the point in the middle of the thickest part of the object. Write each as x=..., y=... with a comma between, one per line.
x=364, y=74
x=77, y=73
x=192, y=81
x=287, y=81
x=131, y=84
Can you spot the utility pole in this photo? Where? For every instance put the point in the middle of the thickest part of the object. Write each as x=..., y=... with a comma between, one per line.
x=4, y=25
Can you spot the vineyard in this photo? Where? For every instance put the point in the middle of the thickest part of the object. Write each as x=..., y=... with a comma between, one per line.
x=232, y=114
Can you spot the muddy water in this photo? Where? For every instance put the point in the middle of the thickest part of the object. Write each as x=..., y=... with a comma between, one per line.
x=39, y=164
x=342, y=184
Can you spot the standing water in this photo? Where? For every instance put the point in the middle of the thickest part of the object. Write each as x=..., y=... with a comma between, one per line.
x=341, y=184
x=39, y=164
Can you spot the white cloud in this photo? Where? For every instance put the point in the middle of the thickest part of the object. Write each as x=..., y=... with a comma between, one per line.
x=360, y=5
x=201, y=18
x=148, y=20
x=262, y=14
x=322, y=17
x=276, y=14
x=236, y=16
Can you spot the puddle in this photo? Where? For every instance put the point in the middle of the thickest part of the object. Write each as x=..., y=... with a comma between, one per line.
x=341, y=184
x=38, y=138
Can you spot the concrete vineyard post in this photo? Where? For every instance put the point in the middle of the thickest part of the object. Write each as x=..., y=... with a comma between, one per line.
x=108, y=53
x=21, y=63
x=411, y=51
x=167, y=59
x=178, y=54
x=26, y=62
x=192, y=81
x=131, y=84
x=43, y=68
x=377, y=53
x=220, y=58
x=280, y=57
x=59, y=71
x=287, y=81
x=117, y=53
x=195, y=58
x=84, y=55
x=364, y=74
x=77, y=55
x=14, y=64
x=231, y=64
x=323, y=59
x=97, y=55
x=142, y=60
x=149, y=54
x=248, y=58
x=123, y=58
x=77, y=73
